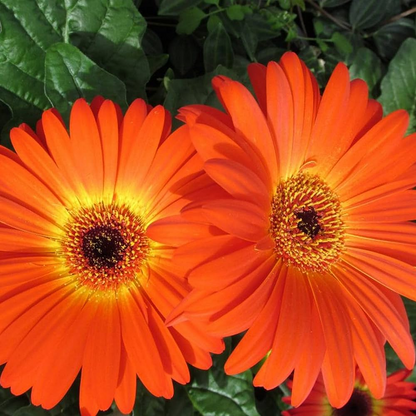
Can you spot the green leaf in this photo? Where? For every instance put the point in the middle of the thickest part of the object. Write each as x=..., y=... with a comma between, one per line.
x=175, y=7
x=367, y=66
x=181, y=92
x=250, y=42
x=214, y=2
x=342, y=43
x=109, y=32
x=183, y=53
x=235, y=12
x=189, y=20
x=398, y=87
x=389, y=37
x=218, y=49
x=70, y=75
x=213, y=22
x=365, y=14
x=332, y=3
x=215, y=393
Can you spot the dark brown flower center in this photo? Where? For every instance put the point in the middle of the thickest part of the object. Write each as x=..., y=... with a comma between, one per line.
x=103, y=246
x=306, y=223
x=358, y=405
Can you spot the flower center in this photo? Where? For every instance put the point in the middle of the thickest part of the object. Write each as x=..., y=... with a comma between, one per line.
x=358, y=405
x=306, y=223
x=105, y=246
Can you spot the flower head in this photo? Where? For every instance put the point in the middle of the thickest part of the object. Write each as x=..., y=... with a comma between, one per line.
x=83, y=284
x=314, y=243
x=397, y=400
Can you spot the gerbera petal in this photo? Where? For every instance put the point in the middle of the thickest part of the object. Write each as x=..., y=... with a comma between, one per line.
x=17, y=216
x=59, y=146
x=66, y=359
x=368, y=350
x=381, y=311
x=101, y=360
x=259, y=338
x=141, y=348
x=367, y=155
x=141, y=157
x=214, y=144
x=290, y=332
x=45, y=328
x=86, y=147
x=108, y=128
x=24, y=186
x=309, y=365
x=173, y=361
x=174, y=151
x=257, y=74
x=388, y=271
x=126, y=388
x=240, y=218
x=35, y=157
x=215, y=274
x=131, y=125
x=239, y=181
x=176, y=231
x=338, y=364
x=23, y=242
x=248, y=304
x=248, y=119
x=331, y=119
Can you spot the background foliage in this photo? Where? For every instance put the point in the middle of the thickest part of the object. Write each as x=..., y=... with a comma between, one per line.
x=167, y=51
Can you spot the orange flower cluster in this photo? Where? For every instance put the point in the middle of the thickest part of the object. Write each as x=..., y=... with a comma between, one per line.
x=129, y=251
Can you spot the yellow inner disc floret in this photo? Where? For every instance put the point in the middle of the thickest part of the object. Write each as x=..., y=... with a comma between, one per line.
x=105, y=245
x=306, y=223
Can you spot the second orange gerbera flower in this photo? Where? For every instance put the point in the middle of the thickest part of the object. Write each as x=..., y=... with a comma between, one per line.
x=313, y=243
x=83, y=286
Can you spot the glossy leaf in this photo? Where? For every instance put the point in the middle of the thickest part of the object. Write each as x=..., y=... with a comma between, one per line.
x=69, y=75
x=389, y=37
x=367, y=66
x=218, y=49
x=398, y=87
x=366, y=14
x=175, y=7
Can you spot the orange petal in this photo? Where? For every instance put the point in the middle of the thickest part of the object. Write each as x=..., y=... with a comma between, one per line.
x=141, y=348
x=257, y=74
x=290, y=332
x=21, y=218
x=240, y=218
x=86, y=147
x=239, y=181
x=381, y=311
x=35, y=157
x=21, y=185
x=101, y=360
x=60, y=148
x=65, y=359
x=394, y=274
x=143, y=151
x=108, y=128
x=173, y=361
x=368, y=351
x=338, y=364
x=126, y=389
x=309, y=364
x=248, y=120
x=259, y=338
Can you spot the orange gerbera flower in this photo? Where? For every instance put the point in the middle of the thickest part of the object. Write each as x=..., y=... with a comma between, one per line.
x=398, y=399
x=82, y=284
x=314, y=243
